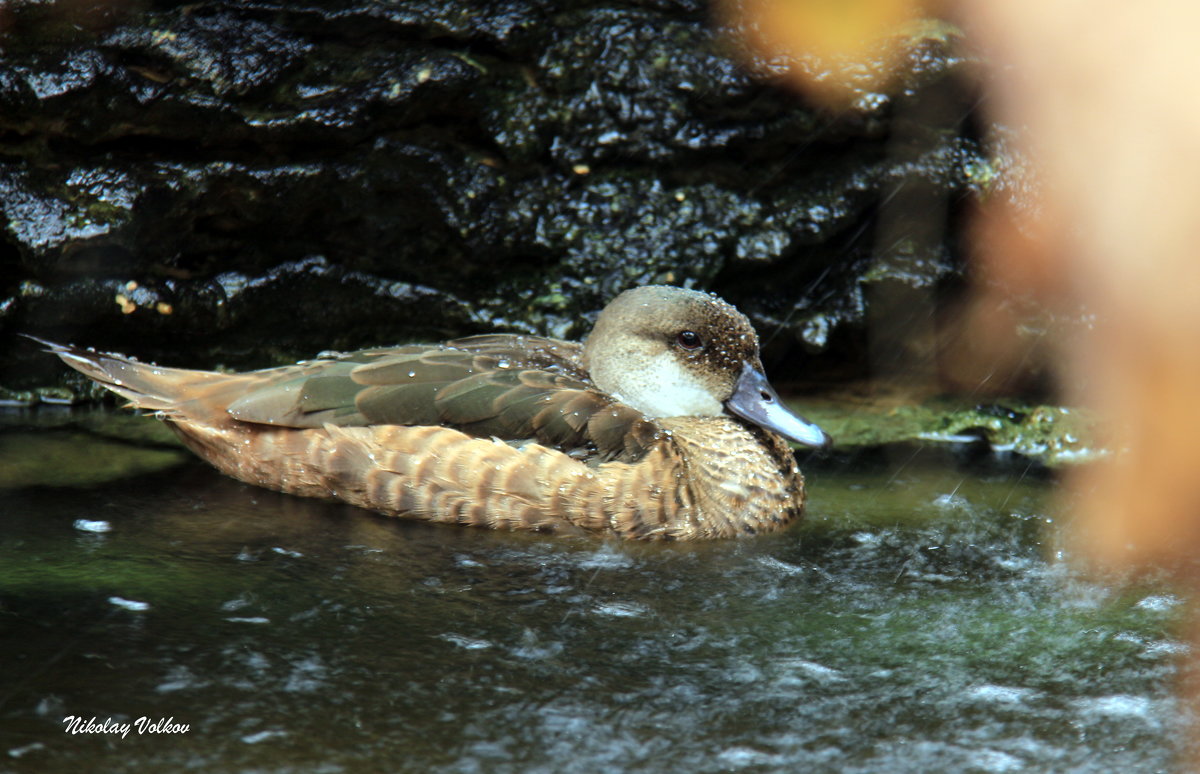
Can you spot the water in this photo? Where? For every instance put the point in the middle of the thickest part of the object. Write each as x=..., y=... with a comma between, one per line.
x=918, y=622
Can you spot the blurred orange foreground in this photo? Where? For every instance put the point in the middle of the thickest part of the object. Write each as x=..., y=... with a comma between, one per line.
x=1107, y=93
x=1104, y=95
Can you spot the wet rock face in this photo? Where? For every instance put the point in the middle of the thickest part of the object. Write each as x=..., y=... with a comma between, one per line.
x=248, y=181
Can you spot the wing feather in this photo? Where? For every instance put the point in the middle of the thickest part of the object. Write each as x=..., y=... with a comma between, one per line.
x=515, y=388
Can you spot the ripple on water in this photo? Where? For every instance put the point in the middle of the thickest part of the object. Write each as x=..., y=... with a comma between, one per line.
x=1119, y=706
x=131, y=605
x=810, y=670
x=779, y=566
x=307, y=675
x=621, y=609
x=179, y=678
x=606, y=557
x=466, y=643
x=1001, y=694
x=995, y=761
x=742, y=757
x=264, y=736
x=1159, y=603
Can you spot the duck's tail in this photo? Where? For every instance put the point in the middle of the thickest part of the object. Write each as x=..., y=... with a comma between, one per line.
x=175, y=391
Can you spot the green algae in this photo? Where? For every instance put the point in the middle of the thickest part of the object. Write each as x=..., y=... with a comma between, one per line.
x=63, y=448
x=76, y=459
x=1052, y=435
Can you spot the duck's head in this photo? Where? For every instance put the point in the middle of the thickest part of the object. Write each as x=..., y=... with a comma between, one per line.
x=671, y=352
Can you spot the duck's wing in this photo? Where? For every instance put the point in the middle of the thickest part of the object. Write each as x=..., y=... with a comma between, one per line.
x=565, y=357
x=484, y=386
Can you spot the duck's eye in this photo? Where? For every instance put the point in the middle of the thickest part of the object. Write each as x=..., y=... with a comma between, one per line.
x=688, y=340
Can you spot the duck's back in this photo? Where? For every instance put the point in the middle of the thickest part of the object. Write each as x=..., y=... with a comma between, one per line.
x=516, y=388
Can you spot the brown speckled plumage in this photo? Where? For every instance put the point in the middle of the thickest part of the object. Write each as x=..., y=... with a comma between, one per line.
x=502, y=431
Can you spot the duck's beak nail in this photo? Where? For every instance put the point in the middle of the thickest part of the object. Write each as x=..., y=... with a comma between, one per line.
x=754, y=400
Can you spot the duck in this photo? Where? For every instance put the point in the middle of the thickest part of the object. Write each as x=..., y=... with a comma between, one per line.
x=660, y=425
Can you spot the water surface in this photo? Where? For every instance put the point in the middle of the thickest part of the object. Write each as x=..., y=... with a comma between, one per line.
x=919, y=621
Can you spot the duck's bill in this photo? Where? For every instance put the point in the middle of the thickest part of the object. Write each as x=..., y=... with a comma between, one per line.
x=754, y=400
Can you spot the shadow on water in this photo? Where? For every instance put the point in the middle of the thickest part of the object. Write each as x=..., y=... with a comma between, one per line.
x=919, y=621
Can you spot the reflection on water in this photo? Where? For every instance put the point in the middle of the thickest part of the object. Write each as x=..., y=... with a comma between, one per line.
x=916, y=623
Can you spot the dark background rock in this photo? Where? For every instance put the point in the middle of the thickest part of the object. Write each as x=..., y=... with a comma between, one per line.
x=249, y=182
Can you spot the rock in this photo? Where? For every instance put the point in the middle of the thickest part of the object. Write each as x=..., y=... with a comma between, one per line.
x=214, y=183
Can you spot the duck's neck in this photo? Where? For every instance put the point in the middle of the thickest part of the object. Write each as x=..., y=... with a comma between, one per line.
x=742, y=479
